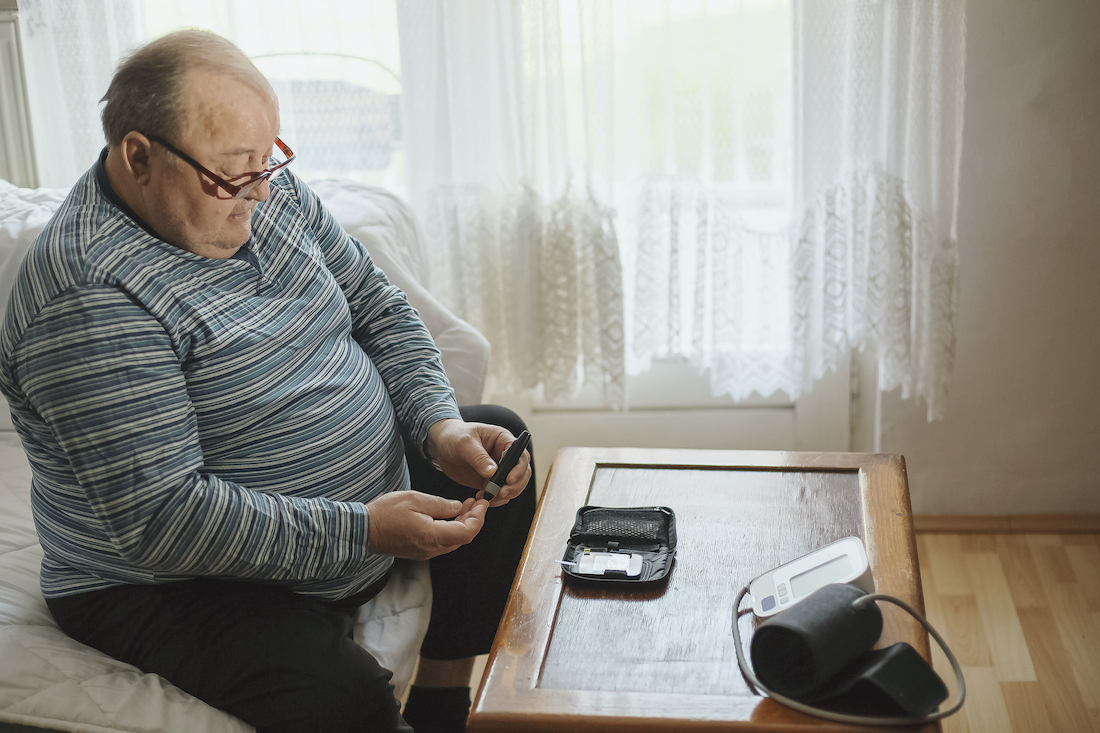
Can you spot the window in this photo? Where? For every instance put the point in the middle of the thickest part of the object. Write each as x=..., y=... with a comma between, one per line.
x=703, y=187
x=336, y=67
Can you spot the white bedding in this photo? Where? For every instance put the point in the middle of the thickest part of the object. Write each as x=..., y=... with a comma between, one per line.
x=48, y=680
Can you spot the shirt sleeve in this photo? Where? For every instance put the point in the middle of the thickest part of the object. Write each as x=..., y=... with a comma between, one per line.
x=385, y=325
x=101, y=373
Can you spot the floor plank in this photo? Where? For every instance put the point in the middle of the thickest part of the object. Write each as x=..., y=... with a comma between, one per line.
x=1022, y=613
x=999, y=619
x=963, y=625
x=1085, y=559
x=948, y=575
x=1052, y=561
x=1027, y=709
x=985, y=707
x=1021, y=571
x=978, y=543
x=1081, y=638
x=1064, y=702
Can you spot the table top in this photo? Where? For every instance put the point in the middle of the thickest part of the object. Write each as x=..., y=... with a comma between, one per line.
x=577, y=659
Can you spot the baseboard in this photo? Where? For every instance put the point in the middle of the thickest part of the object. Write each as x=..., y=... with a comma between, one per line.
x=1007, y=523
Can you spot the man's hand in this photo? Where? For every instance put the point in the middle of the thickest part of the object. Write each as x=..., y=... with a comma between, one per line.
x=468, y=452
x=406, y=524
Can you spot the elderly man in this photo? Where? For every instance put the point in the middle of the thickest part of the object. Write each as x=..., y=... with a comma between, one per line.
x=225, y=405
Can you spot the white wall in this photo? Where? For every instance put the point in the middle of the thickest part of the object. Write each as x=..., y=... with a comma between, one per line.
x=1022, y=431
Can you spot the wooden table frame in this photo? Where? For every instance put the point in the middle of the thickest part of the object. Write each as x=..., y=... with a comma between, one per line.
x=510, y=698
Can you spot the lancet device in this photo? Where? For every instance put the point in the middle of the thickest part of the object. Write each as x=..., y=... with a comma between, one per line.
x=507, y=462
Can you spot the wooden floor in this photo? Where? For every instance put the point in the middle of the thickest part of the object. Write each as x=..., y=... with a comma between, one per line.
x=1022, y=614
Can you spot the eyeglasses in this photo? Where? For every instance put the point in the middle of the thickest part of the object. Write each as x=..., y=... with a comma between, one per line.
x=235, y=190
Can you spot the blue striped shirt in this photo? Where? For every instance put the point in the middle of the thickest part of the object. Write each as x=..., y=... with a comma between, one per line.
x=187, y=416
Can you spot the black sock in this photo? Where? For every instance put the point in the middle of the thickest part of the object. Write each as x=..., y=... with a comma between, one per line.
x=437, y=709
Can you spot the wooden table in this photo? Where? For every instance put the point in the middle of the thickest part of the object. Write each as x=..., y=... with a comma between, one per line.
x=569, y=660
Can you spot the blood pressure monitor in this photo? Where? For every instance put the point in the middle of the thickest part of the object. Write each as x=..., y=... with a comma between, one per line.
x=844, y=561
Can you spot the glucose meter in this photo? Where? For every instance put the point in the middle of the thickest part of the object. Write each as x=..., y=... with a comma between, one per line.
x=588, y=562
x=843, y=561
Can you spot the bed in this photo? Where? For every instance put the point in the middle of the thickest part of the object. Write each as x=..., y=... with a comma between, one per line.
x=50, y=681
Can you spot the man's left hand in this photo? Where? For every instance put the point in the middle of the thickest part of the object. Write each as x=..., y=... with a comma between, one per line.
x=468, y=453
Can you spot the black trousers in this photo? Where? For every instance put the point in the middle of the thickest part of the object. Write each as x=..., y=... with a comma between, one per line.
x=284, y=662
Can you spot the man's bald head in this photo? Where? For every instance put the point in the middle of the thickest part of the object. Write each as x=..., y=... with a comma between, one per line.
x=148, y=91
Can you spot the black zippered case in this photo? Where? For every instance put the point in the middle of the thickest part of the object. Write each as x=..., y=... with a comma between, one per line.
x=620, y=532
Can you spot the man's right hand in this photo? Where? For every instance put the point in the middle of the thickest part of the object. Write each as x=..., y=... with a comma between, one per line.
x=406, y=524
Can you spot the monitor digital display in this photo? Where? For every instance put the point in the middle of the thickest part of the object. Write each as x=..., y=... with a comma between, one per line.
x=825, y=573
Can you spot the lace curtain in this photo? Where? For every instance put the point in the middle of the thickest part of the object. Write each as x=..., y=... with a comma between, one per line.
x=508, y=165
x=711, y=290
x=866, y=251
x=706, y=194
x=759, y=249
x=879, y=90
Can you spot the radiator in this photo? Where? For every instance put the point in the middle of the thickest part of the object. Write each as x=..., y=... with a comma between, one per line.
x=17, y=163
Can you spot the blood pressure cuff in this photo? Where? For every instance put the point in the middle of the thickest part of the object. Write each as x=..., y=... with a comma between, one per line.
x=616, y=545
x=820, y=651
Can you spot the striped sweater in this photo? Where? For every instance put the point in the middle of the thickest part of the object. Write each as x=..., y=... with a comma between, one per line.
x=187, y=416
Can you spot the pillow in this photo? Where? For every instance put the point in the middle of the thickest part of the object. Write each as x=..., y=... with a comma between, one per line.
x=23, y=214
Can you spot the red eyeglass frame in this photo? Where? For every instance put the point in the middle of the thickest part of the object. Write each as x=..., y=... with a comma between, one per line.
x=235, y=190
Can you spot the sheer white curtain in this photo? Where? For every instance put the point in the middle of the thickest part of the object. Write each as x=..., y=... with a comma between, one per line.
x=879, y=94
x=508, y=127
x=784, y=184
x=705, y=197
x=767, y=272
x=334, y=65
x=69, y=53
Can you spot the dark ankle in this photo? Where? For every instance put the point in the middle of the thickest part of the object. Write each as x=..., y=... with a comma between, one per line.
x=437, y=709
